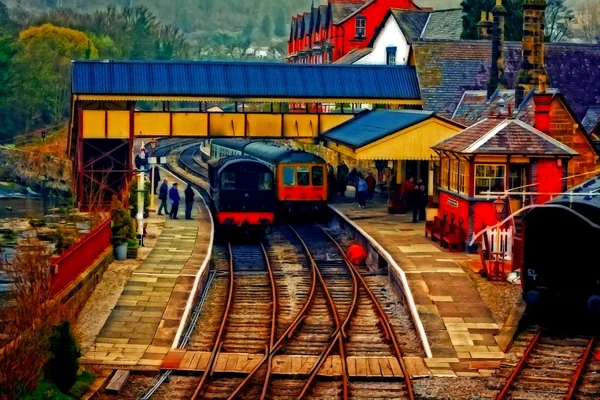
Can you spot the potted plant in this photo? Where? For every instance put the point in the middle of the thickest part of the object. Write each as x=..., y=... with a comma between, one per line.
x=123, y=228
x=132, y=249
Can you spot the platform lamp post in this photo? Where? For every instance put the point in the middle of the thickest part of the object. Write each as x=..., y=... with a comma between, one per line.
x=499, y=208
x=152, y=144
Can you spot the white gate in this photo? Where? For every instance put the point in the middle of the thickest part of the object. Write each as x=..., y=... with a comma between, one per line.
x=506, y=242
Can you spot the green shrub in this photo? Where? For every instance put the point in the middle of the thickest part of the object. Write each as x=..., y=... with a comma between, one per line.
x=47, y=391
x=63, y=364
x=84, y=381
x=123, y=226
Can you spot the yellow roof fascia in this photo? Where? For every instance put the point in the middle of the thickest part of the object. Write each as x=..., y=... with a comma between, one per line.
x=90, y=97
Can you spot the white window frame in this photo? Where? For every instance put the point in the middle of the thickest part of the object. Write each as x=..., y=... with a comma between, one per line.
x=390, y=56
x=360, y=27
x=475, y=177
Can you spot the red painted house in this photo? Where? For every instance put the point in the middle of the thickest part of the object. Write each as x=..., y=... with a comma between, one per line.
x=328, y=32
x=498, y=154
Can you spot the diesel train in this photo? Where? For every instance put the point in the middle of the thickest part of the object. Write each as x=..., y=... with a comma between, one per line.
x=561, y=254
x=242, y=191
x=300, y=177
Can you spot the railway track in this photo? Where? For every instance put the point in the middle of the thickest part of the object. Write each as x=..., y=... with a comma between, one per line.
x=554, y=367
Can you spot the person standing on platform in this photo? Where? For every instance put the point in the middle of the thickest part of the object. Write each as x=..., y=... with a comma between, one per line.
x=162, y=196
x=342, y=178
x=414, y=202
x=174, y=197
x=405, y=191
x=371, y=183
x=189, y=201
x=361, y=191
x=331, y=183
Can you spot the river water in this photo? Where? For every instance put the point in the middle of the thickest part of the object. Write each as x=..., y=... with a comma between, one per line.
x=28, y=208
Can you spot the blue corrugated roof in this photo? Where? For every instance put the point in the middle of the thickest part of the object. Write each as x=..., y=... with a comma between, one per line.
x=374, y=125
x=243, y=80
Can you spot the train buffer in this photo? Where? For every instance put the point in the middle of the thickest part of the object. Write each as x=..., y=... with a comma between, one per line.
x=242, y=363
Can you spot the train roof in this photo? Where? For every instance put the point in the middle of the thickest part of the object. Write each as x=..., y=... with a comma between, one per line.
x=222, y=162
x=590, y=186
x=275, y=153
x=236, y=144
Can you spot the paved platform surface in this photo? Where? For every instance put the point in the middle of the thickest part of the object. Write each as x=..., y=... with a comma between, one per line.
x=142, y=326
x=460, y=328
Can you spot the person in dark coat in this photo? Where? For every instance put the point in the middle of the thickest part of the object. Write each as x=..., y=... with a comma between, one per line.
x=156, y=179
x=342, y=178
x=162, y=196
x=413, y=199
x=174, y=197
x=331, y=183
x=371, y=184
x=189, y=201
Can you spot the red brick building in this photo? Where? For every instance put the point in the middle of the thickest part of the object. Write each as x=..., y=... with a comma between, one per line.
x=498, y=154
x=328, y=32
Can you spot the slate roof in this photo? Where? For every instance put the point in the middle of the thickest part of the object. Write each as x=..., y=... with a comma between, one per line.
x=243, y=79
x=371, y=126
x=444, y=24
x=341, y=10
x=411, y=22
x=504, y=136
x=448, y=68
x=354, y=55
x=592, y=118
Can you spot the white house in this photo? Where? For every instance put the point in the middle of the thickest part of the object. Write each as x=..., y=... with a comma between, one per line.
x=392, y=42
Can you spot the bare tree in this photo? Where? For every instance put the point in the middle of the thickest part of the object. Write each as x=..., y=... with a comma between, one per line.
x=28, y=319
x=588, y=18
x=559, y=19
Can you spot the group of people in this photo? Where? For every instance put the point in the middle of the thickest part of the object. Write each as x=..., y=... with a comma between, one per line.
x=172, y=194
x=364, y=186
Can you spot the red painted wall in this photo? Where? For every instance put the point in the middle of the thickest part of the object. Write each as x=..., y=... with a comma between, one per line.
x=342, y=36
x=454, y=205
x=549, y=175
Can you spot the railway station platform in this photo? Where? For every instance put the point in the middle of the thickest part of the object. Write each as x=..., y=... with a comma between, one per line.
x=459, y=328
x=149, y=314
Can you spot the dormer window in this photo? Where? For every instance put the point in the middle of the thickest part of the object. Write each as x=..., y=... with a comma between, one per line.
x=361, y=27
x=390, y=58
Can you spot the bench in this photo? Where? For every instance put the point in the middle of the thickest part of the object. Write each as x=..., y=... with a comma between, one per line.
x=433, y=226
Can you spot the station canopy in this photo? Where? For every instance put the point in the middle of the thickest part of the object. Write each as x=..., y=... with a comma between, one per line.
x=244, y=82
x=385, y=134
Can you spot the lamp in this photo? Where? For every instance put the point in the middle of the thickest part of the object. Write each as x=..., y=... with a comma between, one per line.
x=499, y=207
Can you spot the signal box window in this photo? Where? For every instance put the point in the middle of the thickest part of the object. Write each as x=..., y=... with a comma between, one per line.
x=361, y=27
x=489, y=178
x=289, y=178
x=317, y=176
x=303, y=176
x=228, y=181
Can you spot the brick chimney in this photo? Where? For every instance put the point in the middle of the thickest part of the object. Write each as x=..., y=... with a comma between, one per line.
x=484, y=26
x=532, y=66
x=542, y=101
x=497, y=77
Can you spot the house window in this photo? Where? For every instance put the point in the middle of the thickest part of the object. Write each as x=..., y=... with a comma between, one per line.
x=391, y=56
x=444, y=172
x=361, y=26
x=319, y=58
x=463, y=177
x=489, y=178
x=453, y=175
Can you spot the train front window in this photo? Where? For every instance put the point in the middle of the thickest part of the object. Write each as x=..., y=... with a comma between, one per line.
x=317, y=176
x=289, y=179
x=265, y=181
x=228, y=181
x=303, y=176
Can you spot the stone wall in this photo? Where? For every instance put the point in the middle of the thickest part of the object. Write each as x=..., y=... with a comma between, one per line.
x=562, y=128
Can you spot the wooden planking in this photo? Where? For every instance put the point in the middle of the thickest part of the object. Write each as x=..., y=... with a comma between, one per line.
x=187, y=360
x=386, y=368
x=415, y=367
x=396, y=367
x=374, y=369
x=117, y=382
